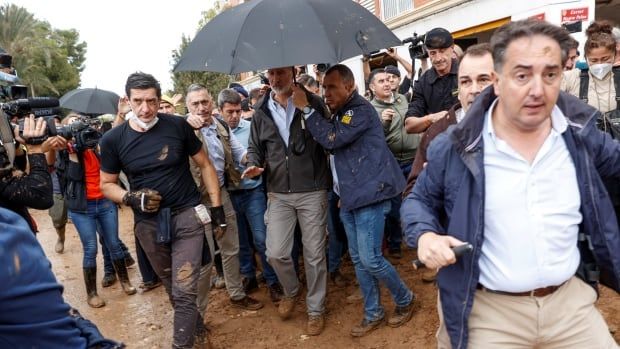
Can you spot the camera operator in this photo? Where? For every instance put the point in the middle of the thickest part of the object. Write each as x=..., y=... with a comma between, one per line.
x=28, y=184
x=436, y=90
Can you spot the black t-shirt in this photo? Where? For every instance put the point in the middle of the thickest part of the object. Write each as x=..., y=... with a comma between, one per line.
x=434, y=93
x=157, y=159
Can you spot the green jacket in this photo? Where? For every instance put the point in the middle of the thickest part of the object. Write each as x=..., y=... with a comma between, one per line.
x=402, y=144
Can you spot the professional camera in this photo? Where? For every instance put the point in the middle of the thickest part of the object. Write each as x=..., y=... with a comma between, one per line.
x=416, y=47
x=322, y=67
x=39, y=106
x=84, y=131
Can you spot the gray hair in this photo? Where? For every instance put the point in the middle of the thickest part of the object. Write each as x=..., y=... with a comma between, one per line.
x=195, y=88
x=228, y=95
x=616, y=34
x=513, y=31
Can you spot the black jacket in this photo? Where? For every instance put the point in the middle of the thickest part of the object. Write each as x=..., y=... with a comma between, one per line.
x=432, y=93
x=300, y=166
x=75, y=184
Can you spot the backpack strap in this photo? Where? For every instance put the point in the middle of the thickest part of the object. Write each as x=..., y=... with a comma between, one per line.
x=584, y=81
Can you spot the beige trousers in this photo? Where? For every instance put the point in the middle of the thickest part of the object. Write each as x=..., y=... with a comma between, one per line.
x=566, y=318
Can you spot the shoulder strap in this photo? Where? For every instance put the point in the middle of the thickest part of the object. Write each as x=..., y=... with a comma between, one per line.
x=584, y=81
x=616, y=73
x=7, y=140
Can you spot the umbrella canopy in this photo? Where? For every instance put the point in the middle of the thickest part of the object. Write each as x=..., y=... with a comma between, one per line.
x=277, y=33
x=90, y=101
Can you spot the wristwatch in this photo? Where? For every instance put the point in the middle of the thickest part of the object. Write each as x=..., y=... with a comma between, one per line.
x=307, y=109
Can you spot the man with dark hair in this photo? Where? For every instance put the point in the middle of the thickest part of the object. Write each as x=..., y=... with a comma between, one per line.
x=297, y=178
x=435, y=91
x=153, y=150
x=366, y=188
x=391, y=108
x=573, y=54
x=224, y=152
x=520, y=178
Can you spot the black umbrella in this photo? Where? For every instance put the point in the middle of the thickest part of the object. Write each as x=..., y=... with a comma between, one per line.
x=90, y=101
x=277, y=33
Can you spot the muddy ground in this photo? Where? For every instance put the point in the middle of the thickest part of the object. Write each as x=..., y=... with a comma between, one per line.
x=144, y=320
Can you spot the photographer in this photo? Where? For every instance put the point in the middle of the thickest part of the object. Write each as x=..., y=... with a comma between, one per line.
x=436, y=90
x=30, y=184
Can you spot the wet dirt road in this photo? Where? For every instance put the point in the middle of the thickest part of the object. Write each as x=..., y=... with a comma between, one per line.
x=144, y=320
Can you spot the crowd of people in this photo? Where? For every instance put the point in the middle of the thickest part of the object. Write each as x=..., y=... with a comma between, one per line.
x=509, y=146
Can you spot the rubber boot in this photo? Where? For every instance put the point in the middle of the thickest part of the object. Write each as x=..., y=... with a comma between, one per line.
x=60, y=243
x=90, y=280
x=121, y=271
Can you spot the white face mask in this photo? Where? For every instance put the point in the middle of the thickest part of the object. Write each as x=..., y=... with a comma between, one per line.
x=143, y=125
x=600, y=70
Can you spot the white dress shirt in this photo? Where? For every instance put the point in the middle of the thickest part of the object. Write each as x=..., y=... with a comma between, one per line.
x=531, y=214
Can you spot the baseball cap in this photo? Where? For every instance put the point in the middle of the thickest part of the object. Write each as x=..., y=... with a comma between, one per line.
x=438, y=38
x=390, y=69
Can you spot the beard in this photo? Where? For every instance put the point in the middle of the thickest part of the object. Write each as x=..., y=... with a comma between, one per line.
x=282, y=90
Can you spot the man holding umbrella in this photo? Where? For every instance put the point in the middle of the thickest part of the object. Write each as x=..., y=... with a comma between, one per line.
x=297, y=176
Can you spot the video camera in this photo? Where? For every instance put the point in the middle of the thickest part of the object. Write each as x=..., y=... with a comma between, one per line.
x=84, y=130
x=417, y=50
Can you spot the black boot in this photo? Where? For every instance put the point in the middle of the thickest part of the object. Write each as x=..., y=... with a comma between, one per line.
x=121, y=271
x=90, y=280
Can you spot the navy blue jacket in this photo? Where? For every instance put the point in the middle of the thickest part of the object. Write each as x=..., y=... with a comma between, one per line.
x=33, y=315
x=448, y=198
x=367, y=171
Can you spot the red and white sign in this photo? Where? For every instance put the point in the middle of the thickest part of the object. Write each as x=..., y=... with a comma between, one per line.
x=575, y=14
x=540, y=16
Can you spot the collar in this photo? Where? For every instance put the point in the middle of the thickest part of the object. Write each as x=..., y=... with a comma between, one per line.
x=454, y=70
x=273, y=103
x=243, y=123
x=394, y=98
x=558, y=120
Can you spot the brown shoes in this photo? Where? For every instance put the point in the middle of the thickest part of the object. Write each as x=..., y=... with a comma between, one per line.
x=401, y=315
x=316, y=324
x=247, y=303
x=366, y=326
x=287, y=305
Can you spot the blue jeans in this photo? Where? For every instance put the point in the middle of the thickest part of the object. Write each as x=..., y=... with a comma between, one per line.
x=335, y=244
x=364, y=227
x=393, y=230
x=250, y=206
x=102, y=213
x=108, y=268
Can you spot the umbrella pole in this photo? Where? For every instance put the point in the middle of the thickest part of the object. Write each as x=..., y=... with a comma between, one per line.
x=294, y=79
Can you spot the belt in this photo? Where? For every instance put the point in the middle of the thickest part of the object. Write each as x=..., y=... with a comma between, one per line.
x=539, y=292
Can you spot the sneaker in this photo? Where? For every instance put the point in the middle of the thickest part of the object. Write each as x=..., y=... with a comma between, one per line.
x=247, y=303
x=276, y=293
x=338, y=279
x=316, y=324
x=147, y=286
x=287, y=305
x=250, y=285
x=366, y=326
x=218, y=282
x=401, y=315
x=355, y=296
x=108, y=280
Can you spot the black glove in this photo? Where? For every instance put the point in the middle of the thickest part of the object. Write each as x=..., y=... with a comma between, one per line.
x=218, y=221
x=145, y=200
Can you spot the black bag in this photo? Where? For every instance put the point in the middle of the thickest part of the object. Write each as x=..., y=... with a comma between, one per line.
x=609, y=122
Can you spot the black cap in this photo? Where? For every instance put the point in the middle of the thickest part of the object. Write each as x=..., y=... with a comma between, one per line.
x=390, y=69
x=438, y=38
x=6, y=60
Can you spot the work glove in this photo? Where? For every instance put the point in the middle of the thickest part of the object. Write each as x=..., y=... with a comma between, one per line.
x=218, y=221
x=145, y=200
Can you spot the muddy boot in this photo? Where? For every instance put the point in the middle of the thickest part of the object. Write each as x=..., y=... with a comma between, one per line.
x=90, y=280
x=121, y=271
x=60, y=243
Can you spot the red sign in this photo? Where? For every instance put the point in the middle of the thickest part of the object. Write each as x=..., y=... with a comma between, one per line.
x=575, y=14
x=540, y=16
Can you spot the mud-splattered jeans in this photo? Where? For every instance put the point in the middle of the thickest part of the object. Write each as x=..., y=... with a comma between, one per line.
x=178, y=265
